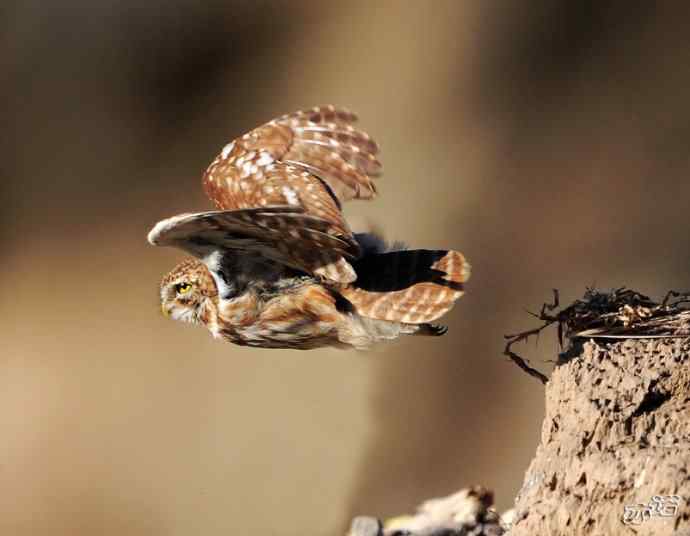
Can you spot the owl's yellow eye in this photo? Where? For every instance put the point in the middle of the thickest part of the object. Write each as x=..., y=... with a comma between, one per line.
x=183, y=288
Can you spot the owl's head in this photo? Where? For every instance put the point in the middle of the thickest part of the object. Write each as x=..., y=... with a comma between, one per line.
x=186, y=291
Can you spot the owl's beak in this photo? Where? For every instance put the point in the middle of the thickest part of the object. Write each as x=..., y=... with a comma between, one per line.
x=165, y=312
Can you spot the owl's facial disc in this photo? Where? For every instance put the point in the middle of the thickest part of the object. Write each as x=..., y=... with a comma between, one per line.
x=186, y=290
x=181, y=300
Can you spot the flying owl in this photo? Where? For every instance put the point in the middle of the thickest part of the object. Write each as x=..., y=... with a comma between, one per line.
x=277, y=266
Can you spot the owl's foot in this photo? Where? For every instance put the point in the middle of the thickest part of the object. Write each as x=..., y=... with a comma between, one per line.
x=432, y=330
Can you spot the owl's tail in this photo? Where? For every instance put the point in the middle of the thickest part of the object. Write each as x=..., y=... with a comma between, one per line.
x=409, y=286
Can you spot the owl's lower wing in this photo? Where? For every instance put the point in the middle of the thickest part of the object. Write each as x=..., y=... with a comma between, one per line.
x=281, y=234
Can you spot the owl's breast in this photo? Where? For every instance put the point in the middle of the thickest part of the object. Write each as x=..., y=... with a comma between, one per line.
x=303, y=317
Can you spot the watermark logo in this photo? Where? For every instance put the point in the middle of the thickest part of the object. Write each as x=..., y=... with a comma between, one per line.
x=658, y=506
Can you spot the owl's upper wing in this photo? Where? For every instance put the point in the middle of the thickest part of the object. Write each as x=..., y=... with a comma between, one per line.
x=283, y=234
x=335, y=160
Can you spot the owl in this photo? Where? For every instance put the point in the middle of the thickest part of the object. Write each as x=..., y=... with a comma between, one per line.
x=276, y=265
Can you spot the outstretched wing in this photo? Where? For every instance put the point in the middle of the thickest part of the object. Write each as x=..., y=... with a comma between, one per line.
x=310, y=160
x=339, y=159
x=282, y=234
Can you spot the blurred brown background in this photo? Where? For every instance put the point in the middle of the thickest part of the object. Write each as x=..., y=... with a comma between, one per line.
x=548, y=140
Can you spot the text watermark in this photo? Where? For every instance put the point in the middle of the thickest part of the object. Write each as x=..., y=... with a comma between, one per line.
x=658, y=506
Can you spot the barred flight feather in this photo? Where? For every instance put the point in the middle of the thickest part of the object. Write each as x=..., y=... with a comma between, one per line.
x=413, y=287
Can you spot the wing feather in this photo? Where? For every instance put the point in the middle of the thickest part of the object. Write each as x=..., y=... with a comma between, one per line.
x=285, y=235
x=321, y=141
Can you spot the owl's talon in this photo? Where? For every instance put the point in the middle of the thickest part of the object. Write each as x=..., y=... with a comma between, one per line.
x=432, y=330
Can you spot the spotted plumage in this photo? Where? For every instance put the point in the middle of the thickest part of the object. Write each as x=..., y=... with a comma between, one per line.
x=276, y=265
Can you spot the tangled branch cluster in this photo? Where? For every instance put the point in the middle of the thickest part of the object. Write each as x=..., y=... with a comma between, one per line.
x=620, y=313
